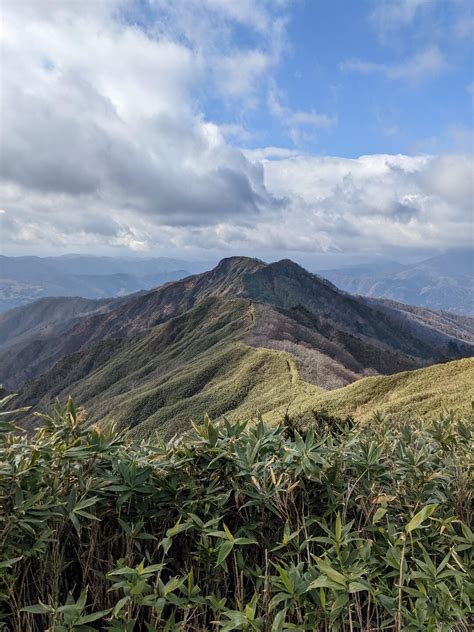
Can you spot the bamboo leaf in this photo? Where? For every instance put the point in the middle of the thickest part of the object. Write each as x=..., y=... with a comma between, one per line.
x=420, y=517
x=224, y=549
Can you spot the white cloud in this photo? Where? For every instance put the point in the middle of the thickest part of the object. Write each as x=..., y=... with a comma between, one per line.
x=105, y=144
x=300, y=125
x=270, y=153
x=423, y=65
x=312, y=118
x=389, y=15
x=99, y=118
x=246, y=12
x=239, y=74
x=399, y=23
x=210, y=29
x=369, y=203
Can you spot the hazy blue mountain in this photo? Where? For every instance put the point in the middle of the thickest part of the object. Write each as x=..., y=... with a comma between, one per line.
x=24, y=279
x=444, y=282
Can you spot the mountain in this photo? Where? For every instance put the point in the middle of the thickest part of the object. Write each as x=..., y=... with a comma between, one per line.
x=445, y=282
x=246, y=336
x=27, y=331
x=336, y=337
x=24, y=279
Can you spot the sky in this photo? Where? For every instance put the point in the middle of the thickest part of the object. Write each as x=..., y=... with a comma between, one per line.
x=321, y=130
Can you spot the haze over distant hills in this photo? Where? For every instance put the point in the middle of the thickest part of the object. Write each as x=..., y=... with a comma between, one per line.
x=444, y=282
x=25, y=279
x=243, y=338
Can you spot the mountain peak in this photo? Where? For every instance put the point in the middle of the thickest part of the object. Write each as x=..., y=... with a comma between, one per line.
x=238, y=265
x=242, y=265
x=238, y=260
x=281, y=283
x=288, y=266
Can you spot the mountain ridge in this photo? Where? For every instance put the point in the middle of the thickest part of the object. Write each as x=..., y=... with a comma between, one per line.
x=284, y=285
x=242, y=333
x=27, y=278
x=444, y=282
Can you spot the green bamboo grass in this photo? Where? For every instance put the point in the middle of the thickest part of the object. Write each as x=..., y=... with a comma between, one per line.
x=237, y=527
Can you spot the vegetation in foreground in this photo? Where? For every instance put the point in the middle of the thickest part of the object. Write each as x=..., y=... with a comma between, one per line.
x=237, y=527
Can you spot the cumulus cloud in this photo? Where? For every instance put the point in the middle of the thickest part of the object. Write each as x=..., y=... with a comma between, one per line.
x=105, y=144
x=372, y=201
x=99, y=116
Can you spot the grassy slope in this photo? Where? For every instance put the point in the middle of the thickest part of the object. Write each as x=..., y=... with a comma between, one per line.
x=424, y=392
x=267, y=382
x=197, y=363
x=183, y=369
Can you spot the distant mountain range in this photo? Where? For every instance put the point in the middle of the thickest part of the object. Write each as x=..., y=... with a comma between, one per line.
x=244, y=338
x=25, y=279
x=445, y=282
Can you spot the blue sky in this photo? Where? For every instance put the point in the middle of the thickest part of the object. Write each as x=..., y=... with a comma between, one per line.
x=371, y=112
x=325, y=131
x=376, y=114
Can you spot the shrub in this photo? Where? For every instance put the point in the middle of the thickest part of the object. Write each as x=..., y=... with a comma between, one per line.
x=236, y=527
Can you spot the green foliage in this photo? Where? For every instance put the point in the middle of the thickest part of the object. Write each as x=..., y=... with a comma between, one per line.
x=237, y=527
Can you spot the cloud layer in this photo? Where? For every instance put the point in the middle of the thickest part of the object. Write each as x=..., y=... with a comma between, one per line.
x=105, y=142
x=376, y=201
